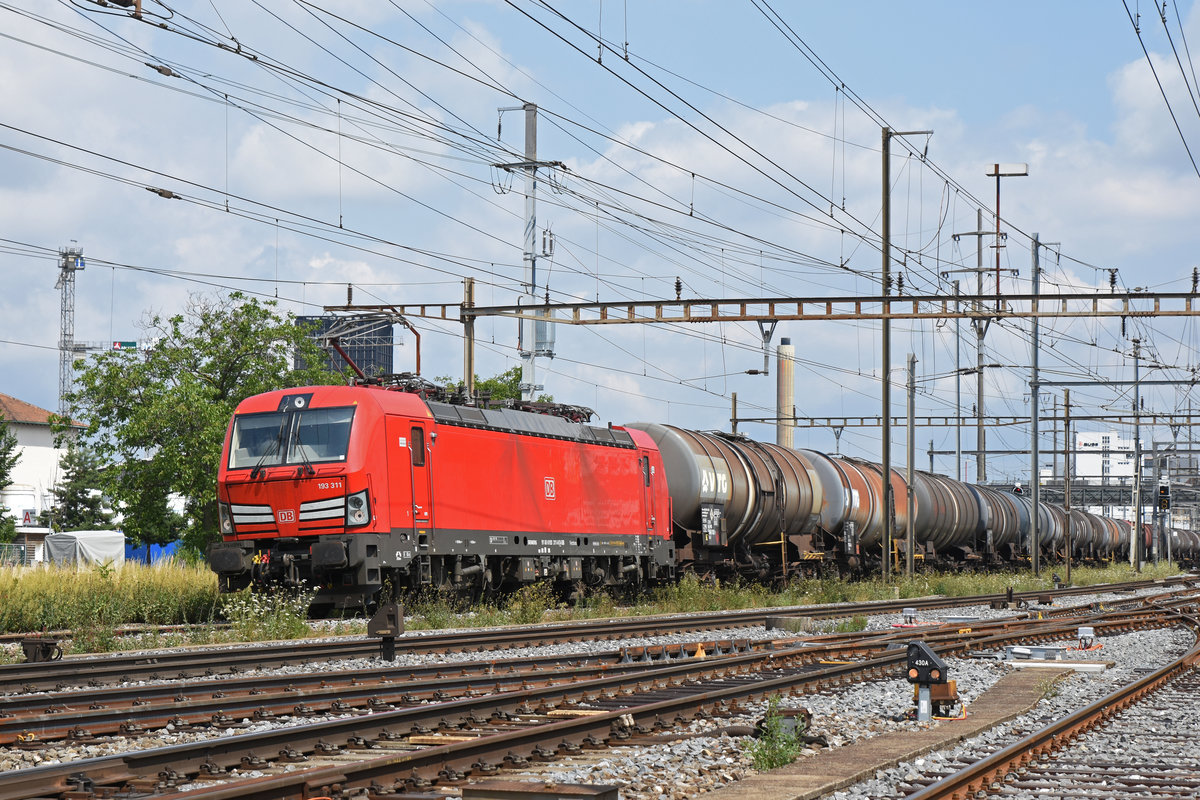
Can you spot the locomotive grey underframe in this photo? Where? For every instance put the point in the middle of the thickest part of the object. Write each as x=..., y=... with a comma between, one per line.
x=560, y=553
x=367, y=555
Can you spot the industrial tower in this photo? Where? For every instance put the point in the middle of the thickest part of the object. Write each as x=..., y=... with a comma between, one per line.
x=70, y=261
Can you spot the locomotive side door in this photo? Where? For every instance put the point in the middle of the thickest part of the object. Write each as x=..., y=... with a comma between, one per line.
x=422, y=494
x=648, y=493
x=399, y=472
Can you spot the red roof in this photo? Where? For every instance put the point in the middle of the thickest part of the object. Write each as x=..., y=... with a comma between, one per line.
x=15, y=410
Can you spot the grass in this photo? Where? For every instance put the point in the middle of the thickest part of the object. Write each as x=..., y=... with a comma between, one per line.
x=526, y=606
x=47, y=599
x=95, y=602
x=852, y=625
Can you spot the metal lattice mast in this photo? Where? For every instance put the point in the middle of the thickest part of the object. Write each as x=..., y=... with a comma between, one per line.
x=70, y=261
x=536, y=336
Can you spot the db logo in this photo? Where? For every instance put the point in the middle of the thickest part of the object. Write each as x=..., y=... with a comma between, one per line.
x=549, y=488
x=286, y=515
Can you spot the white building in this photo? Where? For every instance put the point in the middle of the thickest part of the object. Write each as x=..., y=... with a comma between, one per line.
x=1105, y=458
x=38, y=469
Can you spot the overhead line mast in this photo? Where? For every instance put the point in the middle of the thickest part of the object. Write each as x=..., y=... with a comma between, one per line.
x=536, y=337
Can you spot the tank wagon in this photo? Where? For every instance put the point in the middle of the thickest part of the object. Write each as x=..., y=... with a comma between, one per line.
x=354, y=489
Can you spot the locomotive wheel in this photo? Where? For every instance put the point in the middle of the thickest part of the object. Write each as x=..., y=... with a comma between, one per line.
x=570, y=592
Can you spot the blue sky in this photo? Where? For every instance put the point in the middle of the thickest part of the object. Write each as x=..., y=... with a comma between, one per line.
x=1064, y=87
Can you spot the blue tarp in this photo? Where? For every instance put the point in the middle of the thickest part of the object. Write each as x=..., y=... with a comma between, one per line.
x=151, y=553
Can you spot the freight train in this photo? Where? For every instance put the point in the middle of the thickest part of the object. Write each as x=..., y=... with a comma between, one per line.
x=401, y=485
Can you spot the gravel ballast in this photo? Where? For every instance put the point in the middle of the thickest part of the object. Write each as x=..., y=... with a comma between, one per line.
x=674, y=770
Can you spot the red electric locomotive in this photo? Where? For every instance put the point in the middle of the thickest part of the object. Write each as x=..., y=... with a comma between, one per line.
x=349, y=488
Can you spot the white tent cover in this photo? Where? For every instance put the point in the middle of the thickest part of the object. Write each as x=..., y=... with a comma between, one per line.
x=86, y=547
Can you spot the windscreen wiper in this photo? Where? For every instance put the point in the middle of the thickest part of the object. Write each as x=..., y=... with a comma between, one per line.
x=274, y=448
x=307, y=467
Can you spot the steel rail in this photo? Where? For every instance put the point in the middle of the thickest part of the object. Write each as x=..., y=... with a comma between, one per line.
x=228, y=752
x=453, y=762
x=81, y=715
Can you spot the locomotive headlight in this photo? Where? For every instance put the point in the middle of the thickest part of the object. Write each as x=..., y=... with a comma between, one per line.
x=225, y=518
x=357, y=509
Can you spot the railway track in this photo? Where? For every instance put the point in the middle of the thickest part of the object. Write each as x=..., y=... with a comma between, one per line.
x=1140, y=741
x=185, y=705
x=410, y=748
x=40, y=719
x=187, y=663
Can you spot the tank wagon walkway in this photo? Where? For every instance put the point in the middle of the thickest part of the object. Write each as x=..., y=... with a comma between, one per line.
x=830, y=770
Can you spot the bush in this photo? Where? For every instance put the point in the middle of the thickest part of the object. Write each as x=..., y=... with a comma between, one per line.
x=529, y=604
x=777, y=746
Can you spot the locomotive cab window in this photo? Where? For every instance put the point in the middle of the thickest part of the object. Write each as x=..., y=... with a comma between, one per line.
x=417, y=442
x=322, y=434
x=294, y=436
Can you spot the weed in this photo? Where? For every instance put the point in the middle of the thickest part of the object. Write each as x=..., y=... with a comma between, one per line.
x=95, y=602
x=693, y=593
x=598, y=604
x=529, y=604
x=778, y=745
x=255, y=616
x=851, y=625
x=54, y=598
x=432, y=610
x=1048, y=687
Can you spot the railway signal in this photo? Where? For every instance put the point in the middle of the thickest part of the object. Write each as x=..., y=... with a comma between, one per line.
x=926, y=669
x=1164, y=497
x=924, y=665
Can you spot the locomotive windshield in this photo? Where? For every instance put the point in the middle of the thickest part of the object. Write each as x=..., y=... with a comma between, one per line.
x=310, y=435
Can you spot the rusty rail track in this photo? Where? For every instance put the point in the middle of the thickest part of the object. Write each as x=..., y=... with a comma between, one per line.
x=375, y=752
x=95, y=671
x=82, y=715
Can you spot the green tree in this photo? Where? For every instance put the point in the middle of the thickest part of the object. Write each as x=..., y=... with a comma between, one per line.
x=8, y=459
x=78, y=501
x=504, y=386
x=157, y=416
